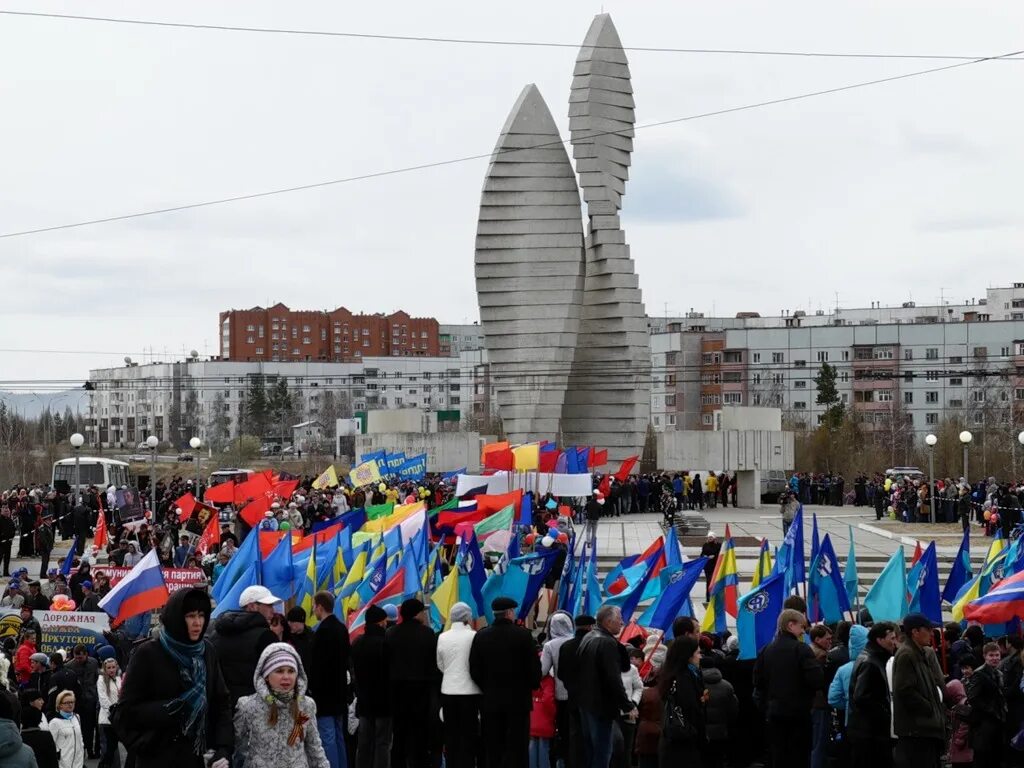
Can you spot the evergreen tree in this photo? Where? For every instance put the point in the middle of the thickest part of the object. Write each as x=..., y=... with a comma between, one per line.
x=218, y=427
x=257, y=407
x=828, y=395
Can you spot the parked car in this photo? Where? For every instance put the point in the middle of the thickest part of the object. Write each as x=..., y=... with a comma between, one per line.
x=185, y=457
x=773, y=483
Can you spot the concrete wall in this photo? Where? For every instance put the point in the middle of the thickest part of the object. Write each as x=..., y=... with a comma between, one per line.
x=741, y=417
x=446, y=451
x=729, y=450
x=401, y=420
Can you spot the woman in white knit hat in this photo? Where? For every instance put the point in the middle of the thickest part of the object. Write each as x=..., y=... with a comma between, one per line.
x=276, y=726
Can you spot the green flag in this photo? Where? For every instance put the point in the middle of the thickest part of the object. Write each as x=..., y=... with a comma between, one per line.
x=499, y=521
x=379, y=510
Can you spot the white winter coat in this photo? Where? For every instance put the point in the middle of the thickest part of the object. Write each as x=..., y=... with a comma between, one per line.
x=67, y=736
x=107, y=701
x=453, y=661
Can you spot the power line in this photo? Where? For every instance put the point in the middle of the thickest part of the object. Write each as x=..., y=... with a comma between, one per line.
x=482, y=41
x=454, y=161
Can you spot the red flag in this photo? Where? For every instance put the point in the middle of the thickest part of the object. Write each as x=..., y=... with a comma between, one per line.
x=211, y=536
x=626, y=468
x=100, y=537
x=605, y=485
x=500, y=459
x=253, y=512
x=285, y=488
x=597, y=458
x=491, y=503
x=252, y=488
x=187, y=504
x=917, y=554
x=269, y=540
x=549, y=460
x=221, y=494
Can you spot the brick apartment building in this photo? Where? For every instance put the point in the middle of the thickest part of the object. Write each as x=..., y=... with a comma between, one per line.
x=280, y=334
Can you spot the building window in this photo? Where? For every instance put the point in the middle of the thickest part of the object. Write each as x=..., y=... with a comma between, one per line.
x=261, y=332
x=956, y=403
x=778, y=357
x=250, y=340
x=757, y=378
x=908, y=354
x=956, y=381
x=259, y=350
x=778, y=378
x=883, y=396
x=657, y=421
x=931, y=376
x=931, y=353
x=978, y=396
x=733, y=357
x=956, y=360
x=323, y=334
x=757, y=357
x=250, y=328
x=1004, y=351
x=670, y=419
x=799, y=405
x=1018, y=394
x=980, y=353
x=844, y=376
x=931, y=397
x=931, y=418
x=908, y=398
x=670, y=400
x=799, y=363
x=800, y=384
x=295, y=333
x=846, y=355
x=733, y=398
x=822, y=357
x=885, y=353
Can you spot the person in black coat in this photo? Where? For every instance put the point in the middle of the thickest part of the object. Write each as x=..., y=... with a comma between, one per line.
x=869, y=711
x=80, y=517
x=36, y=739
x=328, y=678
x=681, y=686
x=299, y=636
x=505, y=665
x=568, y=673
x=786, y=677
x=239, y=638
x=601, y=695
x=370, y=681
x=415, y=685
x=170, y=682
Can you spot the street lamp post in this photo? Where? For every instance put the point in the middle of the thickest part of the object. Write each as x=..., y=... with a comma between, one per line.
x=965, y=438
x=196, y=443
x=77, y=440
x=152, y=441
x=931, y=440
x=1020, y=439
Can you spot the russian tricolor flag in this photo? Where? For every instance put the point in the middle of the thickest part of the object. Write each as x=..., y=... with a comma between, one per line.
x=142, y=590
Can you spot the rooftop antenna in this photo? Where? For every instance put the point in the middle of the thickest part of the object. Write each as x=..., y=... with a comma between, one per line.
x=837, y=301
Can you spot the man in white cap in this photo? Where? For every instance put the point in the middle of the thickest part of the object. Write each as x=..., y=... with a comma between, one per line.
x=240, y=637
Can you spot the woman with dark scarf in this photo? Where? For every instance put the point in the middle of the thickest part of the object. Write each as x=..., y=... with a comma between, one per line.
x=681, y=686
x=174, y=706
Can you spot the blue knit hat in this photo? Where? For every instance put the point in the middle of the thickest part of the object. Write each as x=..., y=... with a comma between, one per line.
x=105, y=652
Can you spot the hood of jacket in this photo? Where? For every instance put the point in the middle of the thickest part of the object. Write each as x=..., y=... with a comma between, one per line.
x=858, y=640
x=560, y=625
x=711, y=675
x=260, y=683
x=10, y=738
x=238, y=622
x=183, y=601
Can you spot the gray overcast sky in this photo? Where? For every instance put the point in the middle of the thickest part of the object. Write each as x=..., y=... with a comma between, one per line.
x=886, y=193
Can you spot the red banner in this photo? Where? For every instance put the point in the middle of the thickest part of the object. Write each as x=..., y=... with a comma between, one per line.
x=175, y=578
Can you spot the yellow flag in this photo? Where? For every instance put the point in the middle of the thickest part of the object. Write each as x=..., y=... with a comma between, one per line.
x=401, y=512
x=447, y=595
x=309, y=589
x=364, y=474
x=329, y=479
x=526, y=457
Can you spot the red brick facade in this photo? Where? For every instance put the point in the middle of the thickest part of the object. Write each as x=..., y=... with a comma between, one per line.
x=282, y=334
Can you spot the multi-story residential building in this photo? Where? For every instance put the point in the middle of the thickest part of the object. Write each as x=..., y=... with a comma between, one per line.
x=207, y=399
x=280, y=334
x=460, y=338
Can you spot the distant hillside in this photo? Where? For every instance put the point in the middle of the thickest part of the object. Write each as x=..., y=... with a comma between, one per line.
x=31, y=404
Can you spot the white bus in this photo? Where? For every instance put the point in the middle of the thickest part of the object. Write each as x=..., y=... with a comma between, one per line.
x=92, y=471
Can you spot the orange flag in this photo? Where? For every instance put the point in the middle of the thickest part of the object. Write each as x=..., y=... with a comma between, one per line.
x=100, y=537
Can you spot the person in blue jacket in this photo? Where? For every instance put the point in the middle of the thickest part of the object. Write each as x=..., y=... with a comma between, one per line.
x=839, y=690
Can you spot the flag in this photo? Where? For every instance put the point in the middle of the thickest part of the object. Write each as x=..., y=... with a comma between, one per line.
x=470, y=564
x=443, y=598
x=223, y=493
x=764, y=565
x=850, y=576
x=961, y=572
x=917, y=553
x=413, y=468
x=826, y=591
x=1003, y=603
x=373, y=511
x=186, y=503
x=491, y=503
x=141, y=591
x=499, y=460
x=815, y=540
x=388, y=594
x=492, y=447
x=597, y=458
x=365, y=474
x=210, y=536
x=285, y=488
x=758, y=616
x=587, y=592
x=394, y=462
x=549, y=459
x=377, y=457
x=923, y=586
x=328, y=479
x=673, y=554
x=583, y=461
x=255, y=487
x=628, y=599
x=499, y=521
x=526, y=457
x=887, y=598
x=626, y=468
x=248, y=553
x=677, y=583
x=69, y=561
x=99, y=537
x=253, y=512
x=790, y=557
x=278, y=575
x=723, y=588
x=525, y=516
x=980, y=585
x=522, y=581
x=248, y=578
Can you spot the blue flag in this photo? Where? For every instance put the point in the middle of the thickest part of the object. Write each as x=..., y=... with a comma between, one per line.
x=526, y=510
x=472, y=576
x=413, y=468
x=758, y=615
x=815, y=539
x=453, y=474
x=572, y=461
x=381, y=457
x=790, y=557
x=394, y=462
x=248, y=553
x=676, y=583
x=673, y=554
x=923, y=586
x=354, y=519
x=69, y=561
x=628, y=599
x=887, y=598
x=961, y=572
x=826, y=591
x=278, y=573
x=521, y=581
x=230, y=600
